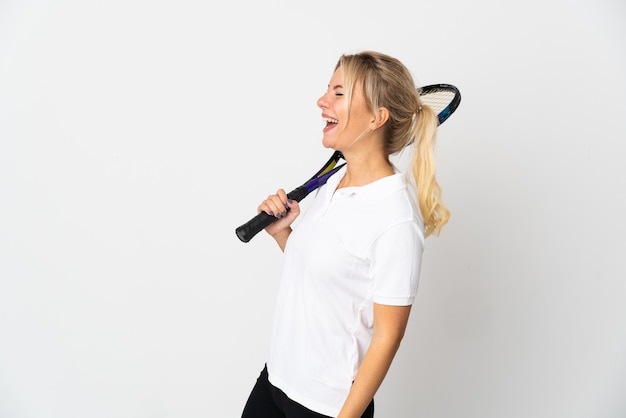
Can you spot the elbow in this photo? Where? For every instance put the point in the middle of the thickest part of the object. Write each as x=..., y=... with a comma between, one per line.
x=390, y=340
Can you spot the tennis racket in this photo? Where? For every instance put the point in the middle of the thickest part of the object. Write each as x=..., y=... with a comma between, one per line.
x=443, y=99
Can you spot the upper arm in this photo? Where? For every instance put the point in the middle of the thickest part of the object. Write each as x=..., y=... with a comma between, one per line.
x=390, y=321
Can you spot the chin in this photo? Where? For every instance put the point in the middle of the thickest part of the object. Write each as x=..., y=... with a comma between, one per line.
x=327, y=144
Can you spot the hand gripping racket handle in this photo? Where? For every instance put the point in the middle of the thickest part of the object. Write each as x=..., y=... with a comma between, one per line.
x=255, y=225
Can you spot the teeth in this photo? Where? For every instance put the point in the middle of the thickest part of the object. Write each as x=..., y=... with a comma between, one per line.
x=330, y=120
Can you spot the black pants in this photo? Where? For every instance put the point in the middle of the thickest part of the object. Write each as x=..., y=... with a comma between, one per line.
x=267, y=401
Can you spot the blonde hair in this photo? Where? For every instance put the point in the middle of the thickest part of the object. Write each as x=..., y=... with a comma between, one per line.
x=387, y=83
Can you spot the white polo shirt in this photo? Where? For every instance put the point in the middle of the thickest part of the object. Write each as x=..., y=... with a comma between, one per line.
x=352, y=247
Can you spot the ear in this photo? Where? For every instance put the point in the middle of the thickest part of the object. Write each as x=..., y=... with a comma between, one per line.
x=383, y=117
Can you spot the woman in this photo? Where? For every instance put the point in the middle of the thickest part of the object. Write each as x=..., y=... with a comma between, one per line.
x=352, y=264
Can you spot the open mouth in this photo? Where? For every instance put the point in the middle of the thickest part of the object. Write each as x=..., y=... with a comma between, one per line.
x=330, y=123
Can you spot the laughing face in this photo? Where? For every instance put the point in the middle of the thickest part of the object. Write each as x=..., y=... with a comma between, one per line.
x=343, y=128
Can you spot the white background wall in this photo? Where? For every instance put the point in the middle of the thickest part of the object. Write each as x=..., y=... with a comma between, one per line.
x=135, y=136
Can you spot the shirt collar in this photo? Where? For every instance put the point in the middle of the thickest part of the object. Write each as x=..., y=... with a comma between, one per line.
x=372, y=192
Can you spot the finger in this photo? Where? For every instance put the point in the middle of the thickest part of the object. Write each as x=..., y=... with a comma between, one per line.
x=282, y=195
x=267, y=206
x=293, y=207
x=281, y=200
x=275, y=205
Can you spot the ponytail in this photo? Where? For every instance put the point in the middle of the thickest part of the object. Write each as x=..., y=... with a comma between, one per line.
x=434, y=214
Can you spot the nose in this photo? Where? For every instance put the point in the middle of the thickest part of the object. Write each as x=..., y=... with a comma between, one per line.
x=321, y=102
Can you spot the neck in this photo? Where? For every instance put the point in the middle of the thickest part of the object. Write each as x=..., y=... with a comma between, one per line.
x=362, y=171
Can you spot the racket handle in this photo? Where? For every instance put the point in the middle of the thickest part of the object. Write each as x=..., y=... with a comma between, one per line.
x=298, y=193
x=255, y=225
x=262, y=220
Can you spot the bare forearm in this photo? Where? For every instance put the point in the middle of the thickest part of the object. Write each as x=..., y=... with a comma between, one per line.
x=281, y=238
x=389, y=325
x=371, y=374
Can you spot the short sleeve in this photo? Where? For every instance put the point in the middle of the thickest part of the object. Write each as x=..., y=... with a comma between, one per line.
x=396, y=260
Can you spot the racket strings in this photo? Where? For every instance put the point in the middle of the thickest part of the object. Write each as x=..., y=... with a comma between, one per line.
x=438, y=100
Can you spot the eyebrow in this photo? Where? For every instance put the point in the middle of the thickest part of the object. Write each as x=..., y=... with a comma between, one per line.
x=337, y=86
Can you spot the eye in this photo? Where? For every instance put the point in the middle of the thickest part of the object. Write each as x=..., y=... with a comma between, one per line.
x=338, y=94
